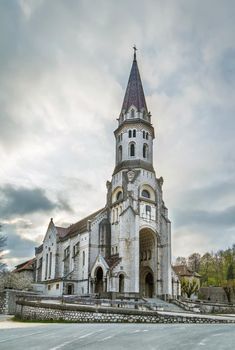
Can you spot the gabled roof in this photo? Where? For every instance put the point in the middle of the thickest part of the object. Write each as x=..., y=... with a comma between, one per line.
x=134, y=95
x=78, y=227
x=184, y=271
x=61, y=231
x=26, y=265
x=113, y=261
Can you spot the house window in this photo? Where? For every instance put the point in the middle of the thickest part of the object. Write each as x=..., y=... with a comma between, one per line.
x=120, y=153
x=119, y=195
x=130, y=133
x=145, y=151
x=132, y=113
x=76, y=249
x=134, y=133
x=147, y=135
x=49, y=287
x=50, y=264
x=83, y=258
x=46, y=266
x=132, y=150
x=57, y=286
x=143, y=134
x=148, y=212
x=66, y=252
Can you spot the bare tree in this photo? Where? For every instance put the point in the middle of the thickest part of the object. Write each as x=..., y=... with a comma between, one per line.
x=194, y=262
x=181, y=260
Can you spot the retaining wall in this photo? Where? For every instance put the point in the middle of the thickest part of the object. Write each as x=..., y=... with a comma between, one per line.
x=206, y=307
x=28, y=310
x=8, y=300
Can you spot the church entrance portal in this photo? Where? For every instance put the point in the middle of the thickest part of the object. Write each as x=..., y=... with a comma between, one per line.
x=147, y=265
x=99, y=281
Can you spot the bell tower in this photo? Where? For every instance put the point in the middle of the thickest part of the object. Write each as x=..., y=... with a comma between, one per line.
x=135, y=133
x=140, y=228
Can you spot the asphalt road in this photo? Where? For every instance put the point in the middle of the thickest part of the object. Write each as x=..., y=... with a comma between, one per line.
x=117, y=336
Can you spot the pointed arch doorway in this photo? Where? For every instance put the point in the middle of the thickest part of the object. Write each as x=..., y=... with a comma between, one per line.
x=99, y=285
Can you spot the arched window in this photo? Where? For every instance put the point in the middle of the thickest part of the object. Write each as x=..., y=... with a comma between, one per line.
x=147, y=135
x=119, y=195
x=145, y=151
x=83, y=258
x=143, y=134
x=130, y=133
x=134, y=133
x=132, y=113
x=120, y=153
x=132, y=150
x=145, y=194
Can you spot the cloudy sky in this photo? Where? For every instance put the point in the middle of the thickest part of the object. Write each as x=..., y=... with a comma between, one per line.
x=64, y=67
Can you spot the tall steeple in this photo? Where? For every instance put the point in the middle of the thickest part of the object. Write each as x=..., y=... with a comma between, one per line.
x=135, y=133
x=134, y=95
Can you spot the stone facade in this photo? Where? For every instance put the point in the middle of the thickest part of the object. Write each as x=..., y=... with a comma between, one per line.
x=125, y=247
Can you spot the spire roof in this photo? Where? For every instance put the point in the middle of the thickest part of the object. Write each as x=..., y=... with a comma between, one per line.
x=134, y=92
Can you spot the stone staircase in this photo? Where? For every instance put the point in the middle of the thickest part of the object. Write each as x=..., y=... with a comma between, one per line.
x=156, y=303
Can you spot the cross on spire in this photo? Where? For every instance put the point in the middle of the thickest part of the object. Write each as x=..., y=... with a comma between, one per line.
x=135, y=49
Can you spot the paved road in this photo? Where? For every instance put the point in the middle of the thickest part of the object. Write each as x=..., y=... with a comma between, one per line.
x=118, y=336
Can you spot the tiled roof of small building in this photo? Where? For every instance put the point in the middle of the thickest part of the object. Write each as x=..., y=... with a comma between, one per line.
x=26, y=265
x=183, y=270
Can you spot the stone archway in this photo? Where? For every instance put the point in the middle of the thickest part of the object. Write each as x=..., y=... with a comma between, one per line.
x=147, y=263
x=99, y=285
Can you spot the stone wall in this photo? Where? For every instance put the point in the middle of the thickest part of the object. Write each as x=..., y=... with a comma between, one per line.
x=3, y=303
x=28, y=310
x=215, y=294
x=8, y=300
x=205, y=307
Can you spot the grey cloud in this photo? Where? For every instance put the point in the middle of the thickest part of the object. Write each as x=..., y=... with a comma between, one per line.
x=203, y=218
x=22, y=201
x=208, y=195
x=19, y=247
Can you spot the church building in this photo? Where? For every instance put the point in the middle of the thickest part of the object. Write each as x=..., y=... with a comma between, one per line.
x=123, y=249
